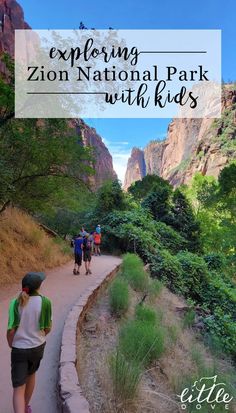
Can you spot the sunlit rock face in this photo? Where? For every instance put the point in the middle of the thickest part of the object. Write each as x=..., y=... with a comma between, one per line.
x=191, y=145
x=136, y=168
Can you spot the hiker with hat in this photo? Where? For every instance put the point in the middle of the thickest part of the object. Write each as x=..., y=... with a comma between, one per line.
x=30, y=320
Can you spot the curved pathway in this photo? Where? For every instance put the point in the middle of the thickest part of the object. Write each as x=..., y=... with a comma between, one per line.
x=64, y=289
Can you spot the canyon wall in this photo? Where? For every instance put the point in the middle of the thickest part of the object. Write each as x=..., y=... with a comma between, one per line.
x=191, y=145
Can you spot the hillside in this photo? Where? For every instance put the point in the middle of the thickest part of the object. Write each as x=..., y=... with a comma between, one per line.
x=25, y=247
x=192, y=145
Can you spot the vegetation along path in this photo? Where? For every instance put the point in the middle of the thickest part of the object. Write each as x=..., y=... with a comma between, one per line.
x=64, y=289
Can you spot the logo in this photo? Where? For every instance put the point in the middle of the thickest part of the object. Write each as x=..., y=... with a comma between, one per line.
x=205, y=390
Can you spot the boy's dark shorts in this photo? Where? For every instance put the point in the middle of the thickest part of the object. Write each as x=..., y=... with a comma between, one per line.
x=87, y=256
x=78, y=259
x=25, y=362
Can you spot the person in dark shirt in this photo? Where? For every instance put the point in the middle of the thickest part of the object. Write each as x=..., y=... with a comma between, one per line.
x=78, y=251
x=87, y=247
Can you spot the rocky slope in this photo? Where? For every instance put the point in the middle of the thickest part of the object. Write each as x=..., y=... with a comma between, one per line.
x=192, y=145
x=11, y=18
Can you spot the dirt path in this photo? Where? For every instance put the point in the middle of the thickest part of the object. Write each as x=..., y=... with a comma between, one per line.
x=64, y=289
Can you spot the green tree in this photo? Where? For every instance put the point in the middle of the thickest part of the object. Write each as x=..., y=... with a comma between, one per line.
x=40, y=160
x=158, y=201
x=140, y=189
x=183, y=220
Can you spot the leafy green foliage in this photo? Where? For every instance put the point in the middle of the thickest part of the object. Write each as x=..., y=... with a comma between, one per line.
x=182, y=219
x=119, y=297
x=223, y=331
x=215, y=261
x=158, y=201
x=168, y=268
x=41, y=160
x=141, y=341
x=195, y=274
x=140, y=189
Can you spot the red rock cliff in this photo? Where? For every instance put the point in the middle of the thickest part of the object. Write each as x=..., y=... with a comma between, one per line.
x=193, y=145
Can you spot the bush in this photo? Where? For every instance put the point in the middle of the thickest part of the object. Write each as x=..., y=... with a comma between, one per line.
x=133, y=271
x=141, y=341
x=144, y=313
x=125, y=377
x=214, y=261
x=195, y=274
x=168, y=269
x=169, y=238
x=119, y=297
x=220, y=293
x=222, y=329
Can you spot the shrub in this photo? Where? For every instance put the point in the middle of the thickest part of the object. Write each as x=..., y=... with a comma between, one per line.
x=144, y=313
x=119, y=297
x=125, y=376
x=222, y=329
x=141, y=341
x=133, y=271
x=167, y=268
x=195, y=274
x=214, y=261
x=169, y=238
x=220, y=293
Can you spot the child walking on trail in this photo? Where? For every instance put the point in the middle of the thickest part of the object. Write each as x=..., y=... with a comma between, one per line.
x=78, y=251
x=87, y=254
x=30, y=320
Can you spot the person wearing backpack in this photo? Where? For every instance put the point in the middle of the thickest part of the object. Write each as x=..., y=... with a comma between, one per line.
x=87, y=253
x=78, y=250
x=30, y=320
x=97, y=243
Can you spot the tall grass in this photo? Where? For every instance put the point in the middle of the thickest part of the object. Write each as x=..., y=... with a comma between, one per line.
x=154, y=288
x=133, y=271
x=119, y=297
x=125, y=377
x=189, y=318
x=146, y=314
x=141, y=341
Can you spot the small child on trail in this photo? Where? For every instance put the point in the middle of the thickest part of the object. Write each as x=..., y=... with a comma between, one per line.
x=30, y=320
x=98, y=229
x=78, y=251
x=87, y=248
x=97, y=243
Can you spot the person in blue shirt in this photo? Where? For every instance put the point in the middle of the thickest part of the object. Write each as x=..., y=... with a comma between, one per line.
x=98, y=229
x=78, y=251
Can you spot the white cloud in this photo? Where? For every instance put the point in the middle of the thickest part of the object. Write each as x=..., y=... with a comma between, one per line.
x=120, y=154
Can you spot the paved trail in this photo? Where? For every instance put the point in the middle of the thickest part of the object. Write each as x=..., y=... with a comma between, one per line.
x=64, y=289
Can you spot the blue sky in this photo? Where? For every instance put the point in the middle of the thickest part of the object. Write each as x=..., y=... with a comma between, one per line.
x=121, y=135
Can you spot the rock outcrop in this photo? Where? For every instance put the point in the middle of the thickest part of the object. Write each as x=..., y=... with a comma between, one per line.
x=11, y=18
x=192, y=145
x=136, y=168
x=103, y=164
